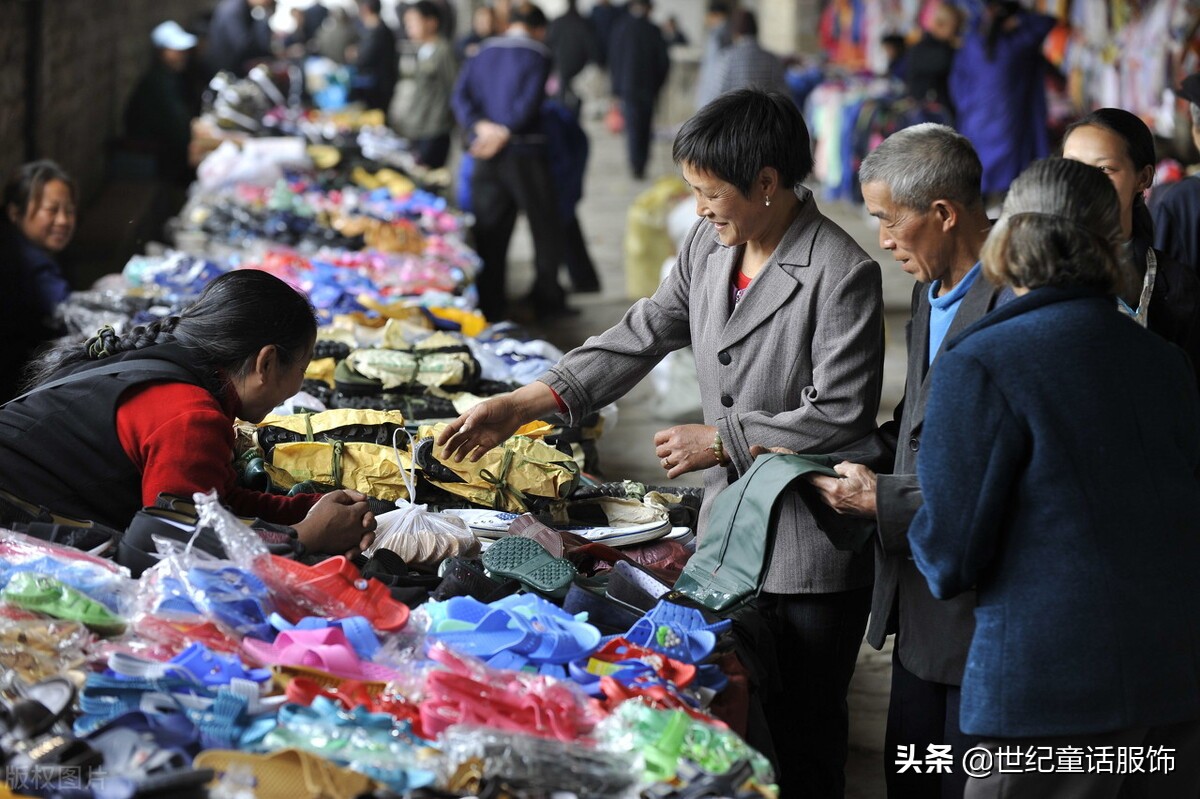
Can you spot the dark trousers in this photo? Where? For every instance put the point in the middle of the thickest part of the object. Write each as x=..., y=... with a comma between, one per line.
x=921, y=713
x=639, y=119
x=817, y=637
x=1181, y=781
x=579, y=263
x=434, y=151
x=501, y=187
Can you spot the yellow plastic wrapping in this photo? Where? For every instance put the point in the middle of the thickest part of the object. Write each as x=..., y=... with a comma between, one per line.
x=507, y=475
x=369, y=468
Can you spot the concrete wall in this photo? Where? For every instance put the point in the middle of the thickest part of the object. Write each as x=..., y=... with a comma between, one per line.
x=12, y=83
x=92, y=52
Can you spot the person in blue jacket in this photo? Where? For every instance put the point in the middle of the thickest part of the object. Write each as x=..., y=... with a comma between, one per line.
x=998, y=89
x=1060, y=469
x=37, y=224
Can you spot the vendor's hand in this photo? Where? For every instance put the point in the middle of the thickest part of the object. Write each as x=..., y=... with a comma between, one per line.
x=685, y=448
x=339, y=524
x=851, y=494
x=756, y=450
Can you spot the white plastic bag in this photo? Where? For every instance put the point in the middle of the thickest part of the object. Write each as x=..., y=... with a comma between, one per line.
x=419, y=536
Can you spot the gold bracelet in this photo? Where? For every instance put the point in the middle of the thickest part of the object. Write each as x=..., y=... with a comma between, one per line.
x=718, y=448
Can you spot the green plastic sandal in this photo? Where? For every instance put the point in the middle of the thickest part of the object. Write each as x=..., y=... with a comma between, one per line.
x=528, y=561
x=44, y=594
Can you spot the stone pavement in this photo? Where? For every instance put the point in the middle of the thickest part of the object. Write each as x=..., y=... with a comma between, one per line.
x=627, y=451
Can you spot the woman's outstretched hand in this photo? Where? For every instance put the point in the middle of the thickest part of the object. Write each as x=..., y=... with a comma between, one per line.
x=493, y=421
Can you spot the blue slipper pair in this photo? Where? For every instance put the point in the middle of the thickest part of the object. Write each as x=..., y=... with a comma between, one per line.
x=232, y=596
x=518, y=632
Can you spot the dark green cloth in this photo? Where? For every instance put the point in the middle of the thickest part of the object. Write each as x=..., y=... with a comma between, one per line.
x=731, y=556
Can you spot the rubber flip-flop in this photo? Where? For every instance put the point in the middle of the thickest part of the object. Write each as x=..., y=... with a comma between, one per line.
x=527, y=561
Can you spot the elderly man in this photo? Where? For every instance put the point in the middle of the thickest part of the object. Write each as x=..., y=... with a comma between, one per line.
x=923, y=185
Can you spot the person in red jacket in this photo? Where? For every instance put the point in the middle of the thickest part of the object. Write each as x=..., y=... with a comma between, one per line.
x=113, y=422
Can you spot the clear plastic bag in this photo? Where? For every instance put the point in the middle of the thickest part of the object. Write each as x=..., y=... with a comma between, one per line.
x=99, y=579
x=188, y=583
x=535, y=766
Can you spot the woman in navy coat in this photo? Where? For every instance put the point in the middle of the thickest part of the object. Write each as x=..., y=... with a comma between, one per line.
x=1060, y=469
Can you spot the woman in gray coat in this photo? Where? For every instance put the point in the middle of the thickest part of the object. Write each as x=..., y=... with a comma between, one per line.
x=784, y=313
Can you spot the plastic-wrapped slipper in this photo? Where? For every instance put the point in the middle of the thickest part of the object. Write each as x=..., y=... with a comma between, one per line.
x=43, y=594
x=357, y=629
x=196, y=662
x=339, y=580
x=326, y=650
x=528, y=561
x=560, y=637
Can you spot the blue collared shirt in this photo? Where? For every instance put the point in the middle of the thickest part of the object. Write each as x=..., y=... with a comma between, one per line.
x=943, y=309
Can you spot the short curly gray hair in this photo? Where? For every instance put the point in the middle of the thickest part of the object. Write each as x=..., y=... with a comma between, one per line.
x=1060, y=227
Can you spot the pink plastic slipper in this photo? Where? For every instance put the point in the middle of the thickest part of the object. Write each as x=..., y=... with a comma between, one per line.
x=326, y=650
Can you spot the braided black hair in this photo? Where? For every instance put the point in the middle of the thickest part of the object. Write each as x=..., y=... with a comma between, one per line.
x=237, y=315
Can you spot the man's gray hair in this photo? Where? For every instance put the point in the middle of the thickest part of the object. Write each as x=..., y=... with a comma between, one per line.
x=1195, y=109
x=924, y=163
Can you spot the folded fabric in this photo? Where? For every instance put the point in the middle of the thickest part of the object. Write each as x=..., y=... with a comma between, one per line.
x=722, y=573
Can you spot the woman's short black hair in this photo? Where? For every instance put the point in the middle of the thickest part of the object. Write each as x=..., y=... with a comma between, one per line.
x=25, y=184
x=738, y=134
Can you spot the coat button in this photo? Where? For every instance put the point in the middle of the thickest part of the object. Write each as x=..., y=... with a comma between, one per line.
x=725, y=358
x=727, y=400
x=914, y=444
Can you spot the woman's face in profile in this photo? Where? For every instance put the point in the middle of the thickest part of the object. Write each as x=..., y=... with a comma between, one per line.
x=735, y=217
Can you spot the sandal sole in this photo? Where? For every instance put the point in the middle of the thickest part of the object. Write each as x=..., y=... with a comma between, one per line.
x=528, y=561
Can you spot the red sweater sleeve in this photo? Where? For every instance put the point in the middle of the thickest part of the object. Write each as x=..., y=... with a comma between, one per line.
x=181, y=440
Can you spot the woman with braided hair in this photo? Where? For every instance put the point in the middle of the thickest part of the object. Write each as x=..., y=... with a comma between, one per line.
x=110, y=423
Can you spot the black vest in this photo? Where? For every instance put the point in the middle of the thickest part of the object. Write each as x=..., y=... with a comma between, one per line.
x=59, y=446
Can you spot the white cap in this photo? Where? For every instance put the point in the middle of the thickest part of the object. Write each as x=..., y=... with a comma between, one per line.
x=170, y=36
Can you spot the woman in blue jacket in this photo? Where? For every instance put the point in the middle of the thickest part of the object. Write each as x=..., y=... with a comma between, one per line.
x=1060, y=468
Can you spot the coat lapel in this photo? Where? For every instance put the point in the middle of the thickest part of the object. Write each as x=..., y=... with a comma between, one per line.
x=777, y=282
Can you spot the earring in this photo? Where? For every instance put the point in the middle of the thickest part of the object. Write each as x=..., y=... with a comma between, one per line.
x=767, y=200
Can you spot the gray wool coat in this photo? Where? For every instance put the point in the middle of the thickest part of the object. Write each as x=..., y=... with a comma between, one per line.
x=798, y=363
